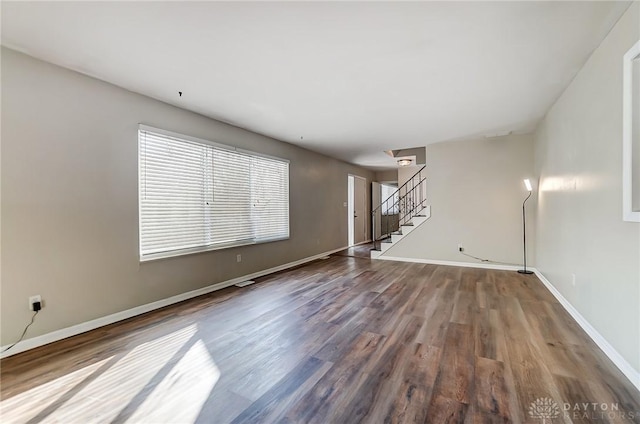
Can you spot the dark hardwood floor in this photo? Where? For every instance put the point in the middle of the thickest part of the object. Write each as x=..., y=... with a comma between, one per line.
x=357, y=251
x=340, y=340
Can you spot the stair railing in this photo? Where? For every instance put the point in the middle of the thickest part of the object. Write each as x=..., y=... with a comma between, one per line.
x=398, y=209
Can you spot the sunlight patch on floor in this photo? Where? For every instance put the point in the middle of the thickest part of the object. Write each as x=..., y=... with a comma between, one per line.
x=105, y=388
x=181, y=394
x=39, y=397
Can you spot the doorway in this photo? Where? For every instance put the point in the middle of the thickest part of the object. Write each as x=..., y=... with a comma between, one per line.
x=356, y=210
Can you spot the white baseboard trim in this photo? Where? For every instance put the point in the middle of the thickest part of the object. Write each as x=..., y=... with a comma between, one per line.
x=362, y=242
x=603, y=344
x=74, y=330
x=451, y=263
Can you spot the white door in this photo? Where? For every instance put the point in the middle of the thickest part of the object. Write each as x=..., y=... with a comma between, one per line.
x=359, y=210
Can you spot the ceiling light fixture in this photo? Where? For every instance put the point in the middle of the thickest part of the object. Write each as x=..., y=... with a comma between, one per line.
x=404, y=162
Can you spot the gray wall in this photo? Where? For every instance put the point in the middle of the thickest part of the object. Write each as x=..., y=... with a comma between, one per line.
x=475, y=189
x=580, y=228
x=388, y=176
x=70, y=205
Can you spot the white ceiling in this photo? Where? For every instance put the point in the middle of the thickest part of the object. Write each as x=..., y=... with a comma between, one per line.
x=346, y=79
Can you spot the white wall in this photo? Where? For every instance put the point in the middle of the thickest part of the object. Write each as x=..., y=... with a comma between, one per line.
x=580, y=227
x=475, y=189
x=70, y=205
x=406, y=172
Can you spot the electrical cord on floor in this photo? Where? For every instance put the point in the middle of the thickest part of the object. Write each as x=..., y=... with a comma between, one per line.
x=475, y=257
x=24, y=332
x=486, y=260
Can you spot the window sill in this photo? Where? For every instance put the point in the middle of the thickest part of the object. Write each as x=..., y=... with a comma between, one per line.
x=191, y=251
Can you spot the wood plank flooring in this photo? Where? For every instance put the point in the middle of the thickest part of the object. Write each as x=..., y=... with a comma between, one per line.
x=340, y=340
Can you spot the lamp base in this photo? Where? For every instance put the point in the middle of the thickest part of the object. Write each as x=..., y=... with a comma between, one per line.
x=524, y=271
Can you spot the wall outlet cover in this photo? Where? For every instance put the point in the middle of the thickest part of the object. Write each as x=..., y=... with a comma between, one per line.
x=33, y=299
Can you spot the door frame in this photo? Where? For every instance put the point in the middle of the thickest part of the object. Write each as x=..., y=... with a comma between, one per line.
x=351, y=209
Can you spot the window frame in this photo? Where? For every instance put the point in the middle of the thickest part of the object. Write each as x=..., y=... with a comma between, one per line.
x=628, y=147
x=207, y=248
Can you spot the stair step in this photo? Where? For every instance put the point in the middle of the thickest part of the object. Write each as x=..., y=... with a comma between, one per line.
x=417, y=220
x=406, y=229
x=423, y=215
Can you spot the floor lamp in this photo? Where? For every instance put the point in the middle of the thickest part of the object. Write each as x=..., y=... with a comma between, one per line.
x=527, y=184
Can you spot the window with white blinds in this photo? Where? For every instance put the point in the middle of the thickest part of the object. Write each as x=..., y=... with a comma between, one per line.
x=197, y=195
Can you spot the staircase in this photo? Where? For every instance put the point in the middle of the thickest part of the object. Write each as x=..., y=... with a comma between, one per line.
x=400, y=214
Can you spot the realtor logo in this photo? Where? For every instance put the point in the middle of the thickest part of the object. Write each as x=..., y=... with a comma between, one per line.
x=544, y=409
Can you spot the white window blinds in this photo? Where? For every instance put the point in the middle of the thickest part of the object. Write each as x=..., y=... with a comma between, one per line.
x=196, y=195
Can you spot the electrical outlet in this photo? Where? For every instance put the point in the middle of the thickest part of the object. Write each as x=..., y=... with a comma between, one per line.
x=238, y=258
x=34, y=299
x=460, y=248
x=573, y=280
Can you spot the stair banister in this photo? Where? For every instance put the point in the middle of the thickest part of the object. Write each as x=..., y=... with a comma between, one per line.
x=406, y=205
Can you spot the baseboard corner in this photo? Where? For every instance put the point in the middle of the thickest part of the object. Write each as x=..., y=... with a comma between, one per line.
x=618, y=360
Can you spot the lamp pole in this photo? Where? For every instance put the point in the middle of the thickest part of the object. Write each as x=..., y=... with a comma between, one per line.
x=527, y=184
